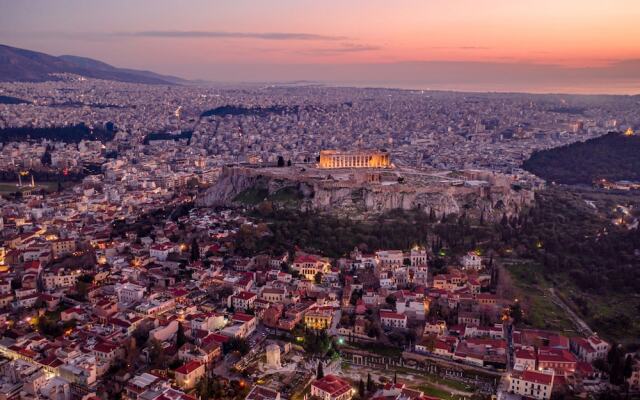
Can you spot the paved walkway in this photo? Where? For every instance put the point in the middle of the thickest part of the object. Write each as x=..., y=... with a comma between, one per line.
x=582, y=326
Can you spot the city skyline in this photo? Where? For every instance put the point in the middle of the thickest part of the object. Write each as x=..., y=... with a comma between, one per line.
x=578, y=46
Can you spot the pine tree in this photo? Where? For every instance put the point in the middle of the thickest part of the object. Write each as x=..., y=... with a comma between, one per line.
x=320, y=371
x=370, y=385
x=180, y=336
x=627, y=371
x=46, y=158
x=195, y=250
x=361, y=390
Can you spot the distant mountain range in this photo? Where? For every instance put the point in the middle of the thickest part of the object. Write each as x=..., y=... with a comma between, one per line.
x=31, y=66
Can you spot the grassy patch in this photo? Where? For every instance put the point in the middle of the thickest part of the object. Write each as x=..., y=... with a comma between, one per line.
x=10, y=187
x=613, y=316
x=453, y=384
x=450, y=383
x=437, y=392
x=531, y=289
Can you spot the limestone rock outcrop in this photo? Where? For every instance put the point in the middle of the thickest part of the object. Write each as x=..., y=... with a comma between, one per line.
x=472, y=192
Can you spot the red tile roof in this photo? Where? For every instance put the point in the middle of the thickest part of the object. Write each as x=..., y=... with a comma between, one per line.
x=245, y=295
x=392, y=315
x=333, y=385
x=537, y=377
x=188, y=367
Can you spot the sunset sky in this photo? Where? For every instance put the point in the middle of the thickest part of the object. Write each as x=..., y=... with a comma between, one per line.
x=590, y=44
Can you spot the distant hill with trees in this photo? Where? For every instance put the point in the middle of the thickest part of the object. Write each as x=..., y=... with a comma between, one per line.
x=255, y=111
x=167, y=136
x=12, y=100
x=612, y=157
x=67, y=134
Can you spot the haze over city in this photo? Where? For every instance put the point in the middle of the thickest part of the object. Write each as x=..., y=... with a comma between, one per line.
x=576, y=46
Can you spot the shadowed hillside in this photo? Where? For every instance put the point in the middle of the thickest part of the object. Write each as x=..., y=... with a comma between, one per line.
x=612, y=157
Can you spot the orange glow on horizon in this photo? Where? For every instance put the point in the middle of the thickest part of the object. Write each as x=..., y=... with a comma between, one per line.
x=201, y=39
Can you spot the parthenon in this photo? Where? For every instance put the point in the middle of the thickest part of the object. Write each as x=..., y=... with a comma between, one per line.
x=331, y=159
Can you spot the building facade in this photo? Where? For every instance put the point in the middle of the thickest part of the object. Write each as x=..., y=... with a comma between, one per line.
x=332, y=159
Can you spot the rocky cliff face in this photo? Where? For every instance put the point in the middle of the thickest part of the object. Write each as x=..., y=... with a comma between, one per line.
x=230, y=183
x=351, y=198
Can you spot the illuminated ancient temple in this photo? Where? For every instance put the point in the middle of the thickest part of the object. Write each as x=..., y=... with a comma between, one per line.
x=331, y=159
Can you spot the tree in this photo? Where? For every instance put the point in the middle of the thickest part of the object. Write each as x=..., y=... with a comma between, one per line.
x=504, y=221
x=320, y=370
x=280, y=161
x=157, y=358
x=82, y=285
x=48, y=327
x=361, y=389
x=141, y=335
x=235, y=344
x=318, y=277
x=616, y=362
x=355, y=296
x=370, y=385
x=391, y=300
x=373, y=331
x=515, y=311
x=288, y=163
x=132, y=352
x=46, y=158
x=628, y=367
x=180, y=336
x=627, y=371
x=195, y=250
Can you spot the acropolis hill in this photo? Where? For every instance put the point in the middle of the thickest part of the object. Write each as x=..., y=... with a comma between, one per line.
x=354, y=191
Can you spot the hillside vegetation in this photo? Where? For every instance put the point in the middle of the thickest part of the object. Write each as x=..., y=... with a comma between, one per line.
x=67, y=134
x=612, y=157
x=570, y=245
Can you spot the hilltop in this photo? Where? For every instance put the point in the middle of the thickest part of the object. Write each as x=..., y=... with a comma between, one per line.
x=30, y=66
x=612, y=157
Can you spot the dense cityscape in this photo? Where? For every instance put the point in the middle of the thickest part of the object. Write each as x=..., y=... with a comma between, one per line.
x=116, y=284
x=411, y=200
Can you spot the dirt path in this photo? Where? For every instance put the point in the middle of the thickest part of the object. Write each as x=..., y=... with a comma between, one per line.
x=582, y=326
